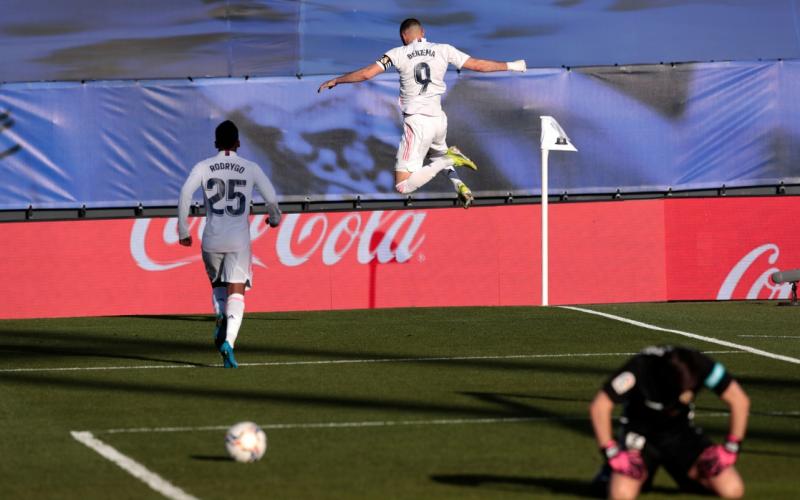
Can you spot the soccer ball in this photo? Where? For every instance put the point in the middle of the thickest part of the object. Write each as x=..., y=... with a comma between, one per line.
x=246, y=442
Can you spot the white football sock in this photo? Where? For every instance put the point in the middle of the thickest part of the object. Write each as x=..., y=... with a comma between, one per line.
x=219, y=296
x=234, y=310
x=423, y=175
x=453, y=176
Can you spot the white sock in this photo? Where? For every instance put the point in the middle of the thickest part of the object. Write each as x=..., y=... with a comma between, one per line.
x=453, y=176
x=423, y=175
x=219, y=296
x=234, y=310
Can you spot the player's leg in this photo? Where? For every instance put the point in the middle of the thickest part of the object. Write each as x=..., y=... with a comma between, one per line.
x=237, y=273
x=683, y=456
x=622, y=487
x=726, y=484
x=629, y=477
x=234, y=311
x=712, y=475
x=219, y=293
x=410, y=174
x=438, y=150
x=459, y=158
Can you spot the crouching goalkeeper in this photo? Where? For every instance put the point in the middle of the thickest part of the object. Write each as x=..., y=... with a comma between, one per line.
x=657, y=388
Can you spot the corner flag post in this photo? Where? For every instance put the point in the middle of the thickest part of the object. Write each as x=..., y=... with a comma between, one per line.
x=553, y=138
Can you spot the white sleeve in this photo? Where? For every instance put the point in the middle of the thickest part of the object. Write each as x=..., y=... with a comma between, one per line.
x=267, y=190
x=389, y=59
x=192, y=184
x=456, y=57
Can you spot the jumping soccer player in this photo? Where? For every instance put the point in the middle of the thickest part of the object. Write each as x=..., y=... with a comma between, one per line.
x=422, y=66
x=227, y=181
x=657, y=388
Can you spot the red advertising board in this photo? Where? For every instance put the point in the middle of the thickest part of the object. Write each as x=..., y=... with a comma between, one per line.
x=312, y=261
x=607, y=252
x=727, y=248
x=656, y=250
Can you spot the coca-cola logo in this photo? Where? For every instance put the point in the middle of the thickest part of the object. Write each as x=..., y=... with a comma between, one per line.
x=762, y=282
x=384, y=237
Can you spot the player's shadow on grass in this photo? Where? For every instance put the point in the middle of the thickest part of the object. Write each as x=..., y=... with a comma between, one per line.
x=719, y=427
x=532, y=484
x=767, y=382
x=211, y=458
x=521, y=404
x=54, y=352
x=522, y=484
x=200, y=318
x=539, y=397
x=307, y=400
x=771, y=453
x=77, y=343
x=175, y=317
x=82, y=345
x=203, y=319
x=792, y=415
x=187, y=389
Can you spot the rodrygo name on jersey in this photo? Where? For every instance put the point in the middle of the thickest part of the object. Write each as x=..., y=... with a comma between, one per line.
x=227, y=181
x=227, y=166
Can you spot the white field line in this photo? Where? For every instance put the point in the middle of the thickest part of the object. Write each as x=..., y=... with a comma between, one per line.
x=398, y=423
x=336, y=362
x=131, y=466
x=751, y=350
x=344, y=425
x=771, y=336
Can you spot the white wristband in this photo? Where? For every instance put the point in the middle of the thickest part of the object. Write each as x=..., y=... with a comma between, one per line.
x=518, y=65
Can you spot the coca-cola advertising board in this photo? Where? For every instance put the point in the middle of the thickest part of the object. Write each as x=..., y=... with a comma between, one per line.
x=727, y=248
x=311, y=262
x=656, y=250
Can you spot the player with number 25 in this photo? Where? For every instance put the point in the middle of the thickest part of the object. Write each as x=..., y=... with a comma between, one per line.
x=227, y=181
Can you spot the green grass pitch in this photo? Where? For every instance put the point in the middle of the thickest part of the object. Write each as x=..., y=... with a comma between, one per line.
x=411, y=404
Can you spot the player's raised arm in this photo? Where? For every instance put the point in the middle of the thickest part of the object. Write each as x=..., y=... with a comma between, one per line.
x=488, y=66
x=192, y=184
x=356, y=76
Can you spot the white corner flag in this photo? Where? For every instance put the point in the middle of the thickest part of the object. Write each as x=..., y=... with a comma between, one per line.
x=553, y=139
x=553, y=136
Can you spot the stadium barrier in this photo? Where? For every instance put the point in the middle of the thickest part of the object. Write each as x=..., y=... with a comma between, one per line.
x=649, y=128
x=601, y=252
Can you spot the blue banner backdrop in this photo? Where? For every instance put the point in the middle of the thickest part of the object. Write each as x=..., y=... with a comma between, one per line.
x=637, y=128
x=56, y=40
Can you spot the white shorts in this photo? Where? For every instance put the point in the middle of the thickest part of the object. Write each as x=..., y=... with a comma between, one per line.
x=229, y=267
x=421, y=134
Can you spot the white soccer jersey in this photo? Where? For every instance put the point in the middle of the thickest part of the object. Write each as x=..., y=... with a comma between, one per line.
x=422, y=66
x=227, y=181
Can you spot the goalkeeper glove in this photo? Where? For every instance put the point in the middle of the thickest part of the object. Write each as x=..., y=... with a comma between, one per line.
x=718, y=457
x=628, y=463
